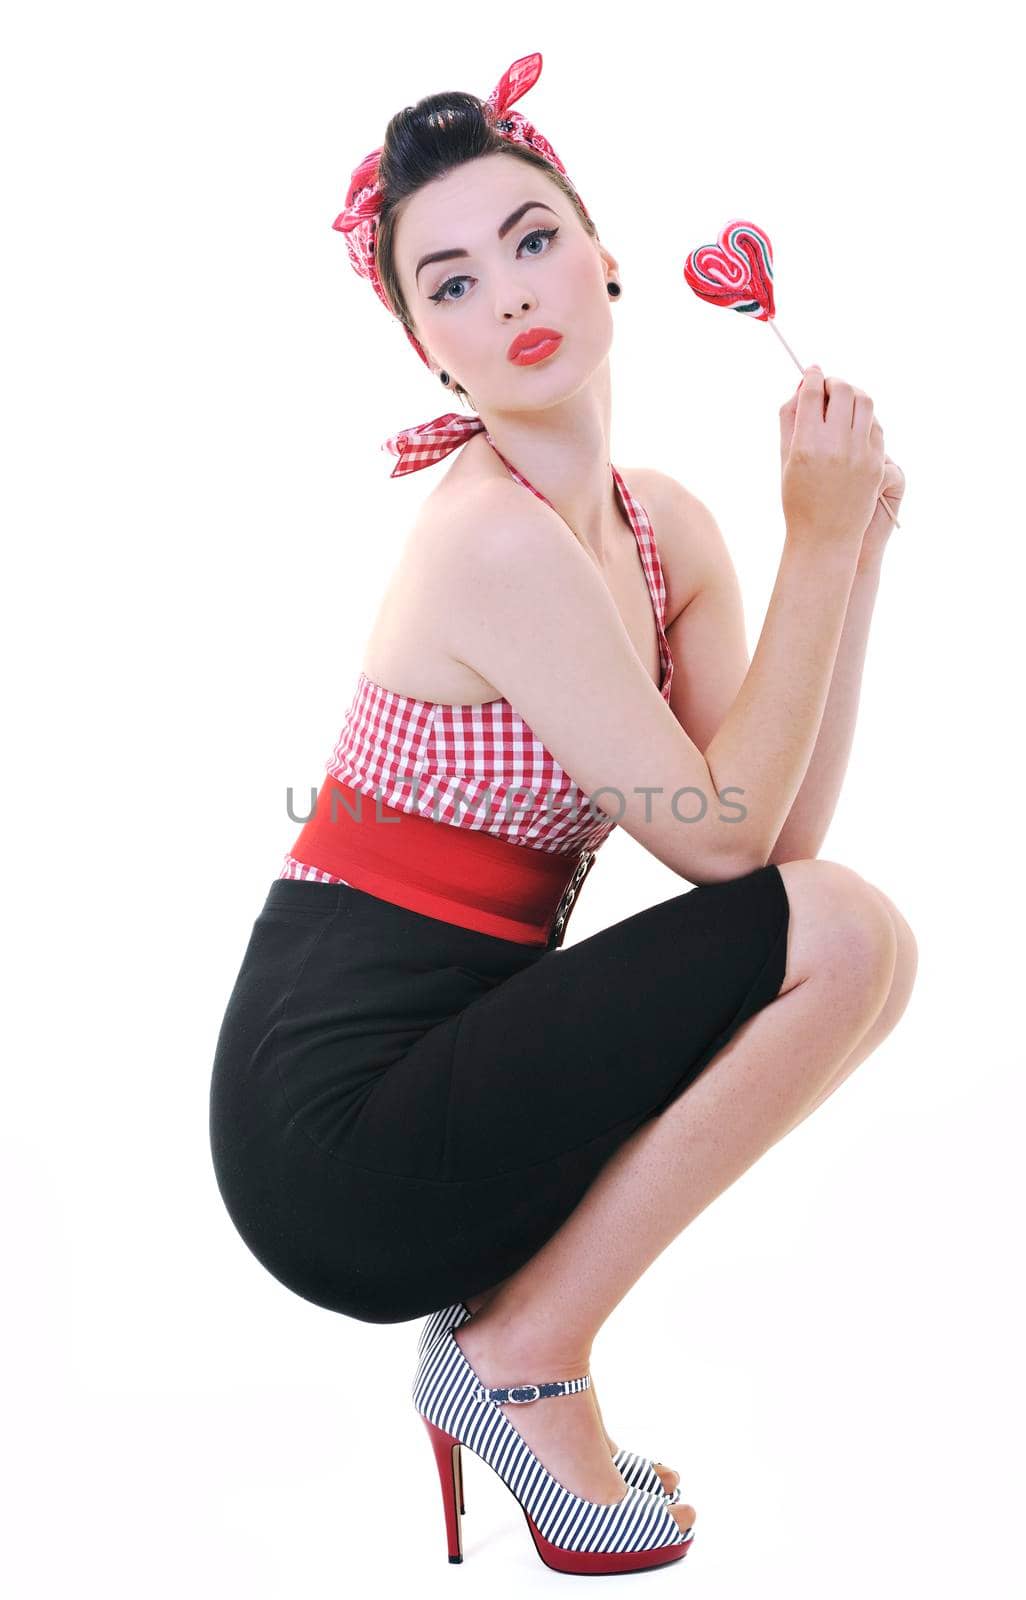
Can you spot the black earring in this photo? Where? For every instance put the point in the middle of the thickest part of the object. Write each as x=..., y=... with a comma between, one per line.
x=613, y=288
x=444, y=377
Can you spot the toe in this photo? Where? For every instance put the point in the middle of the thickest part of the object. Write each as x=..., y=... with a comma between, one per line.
x=667, y=1476
x=684, y=1516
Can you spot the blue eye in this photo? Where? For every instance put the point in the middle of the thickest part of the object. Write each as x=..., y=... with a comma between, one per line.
x=440, y=296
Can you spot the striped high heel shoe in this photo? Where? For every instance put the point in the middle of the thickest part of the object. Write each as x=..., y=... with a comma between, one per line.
x=570, y=1533
x=634, y=1469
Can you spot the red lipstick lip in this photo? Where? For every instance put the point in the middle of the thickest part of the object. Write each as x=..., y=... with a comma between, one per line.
x=533, y=336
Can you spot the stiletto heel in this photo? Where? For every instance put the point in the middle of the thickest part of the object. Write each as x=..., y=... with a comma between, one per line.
x=635, y=1469
x=570, y=1533
x=447, y=1460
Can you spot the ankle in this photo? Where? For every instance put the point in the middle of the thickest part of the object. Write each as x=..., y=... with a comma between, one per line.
x=529, y=1344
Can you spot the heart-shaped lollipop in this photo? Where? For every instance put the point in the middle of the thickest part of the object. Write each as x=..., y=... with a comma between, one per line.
x=737, y=273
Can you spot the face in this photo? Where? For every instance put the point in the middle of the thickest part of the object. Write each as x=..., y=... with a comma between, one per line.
x=546, y=271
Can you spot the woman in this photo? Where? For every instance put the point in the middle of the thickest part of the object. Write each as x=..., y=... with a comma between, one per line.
x=421, y=1102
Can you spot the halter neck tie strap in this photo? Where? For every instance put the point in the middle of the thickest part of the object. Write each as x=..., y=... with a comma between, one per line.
x=430, y=441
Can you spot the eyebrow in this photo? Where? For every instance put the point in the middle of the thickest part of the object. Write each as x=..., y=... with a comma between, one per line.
x=504, y=227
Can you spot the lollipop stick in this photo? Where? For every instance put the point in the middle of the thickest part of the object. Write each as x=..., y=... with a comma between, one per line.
x=786, y=346
x=801, y=369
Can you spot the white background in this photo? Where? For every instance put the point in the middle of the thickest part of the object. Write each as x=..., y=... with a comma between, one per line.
x=200, y=526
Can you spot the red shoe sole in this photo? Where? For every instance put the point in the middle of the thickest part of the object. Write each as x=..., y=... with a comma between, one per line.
x=448, y=1460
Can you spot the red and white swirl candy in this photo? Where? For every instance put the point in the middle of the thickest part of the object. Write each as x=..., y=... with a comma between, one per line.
x=737, y=273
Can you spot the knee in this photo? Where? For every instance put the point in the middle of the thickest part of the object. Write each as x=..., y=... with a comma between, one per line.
x=908, y=949
x=840, y=925
x=906, y=963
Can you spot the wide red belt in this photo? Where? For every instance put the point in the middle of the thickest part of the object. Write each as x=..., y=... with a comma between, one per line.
x=474, y=879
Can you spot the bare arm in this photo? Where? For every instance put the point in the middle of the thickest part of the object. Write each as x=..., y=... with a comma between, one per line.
x=833, y=464
x=708, y=640
x=528, y=610
x=765, y=743
x=806, y=824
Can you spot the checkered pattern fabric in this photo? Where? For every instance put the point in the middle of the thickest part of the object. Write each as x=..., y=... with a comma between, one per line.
x=472, y=765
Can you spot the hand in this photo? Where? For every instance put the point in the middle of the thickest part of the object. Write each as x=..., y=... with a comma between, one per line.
x=832, y=462
x=878, y=531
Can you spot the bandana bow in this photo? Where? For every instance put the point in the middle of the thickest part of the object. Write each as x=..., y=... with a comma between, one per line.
x=429, y=442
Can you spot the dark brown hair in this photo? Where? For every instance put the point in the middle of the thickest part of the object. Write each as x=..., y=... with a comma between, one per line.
x=426, y=141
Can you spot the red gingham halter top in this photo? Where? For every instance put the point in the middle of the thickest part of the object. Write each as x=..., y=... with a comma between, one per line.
x=480, y=766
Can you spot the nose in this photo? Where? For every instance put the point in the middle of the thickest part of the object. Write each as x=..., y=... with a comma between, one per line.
x=525, y=305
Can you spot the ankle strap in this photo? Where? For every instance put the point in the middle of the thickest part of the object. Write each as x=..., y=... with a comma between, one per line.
x=519, y=1394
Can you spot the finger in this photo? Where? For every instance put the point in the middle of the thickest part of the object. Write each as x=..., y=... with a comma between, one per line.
x=894, y=478
x=863, y=415
x=810, y=398
x=787, y=415
x=840, y=404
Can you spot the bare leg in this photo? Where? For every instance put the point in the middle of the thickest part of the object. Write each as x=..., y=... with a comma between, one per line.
x=902, y=982
x=903, y=979
x=905, y=969
x=842, y=952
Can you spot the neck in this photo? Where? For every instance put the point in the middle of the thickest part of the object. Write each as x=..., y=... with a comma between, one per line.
x=564, y=452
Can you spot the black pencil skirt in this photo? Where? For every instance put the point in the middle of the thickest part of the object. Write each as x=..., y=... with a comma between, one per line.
x=403, y=1111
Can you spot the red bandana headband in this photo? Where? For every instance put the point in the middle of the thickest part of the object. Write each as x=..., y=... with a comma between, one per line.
x=358, y=222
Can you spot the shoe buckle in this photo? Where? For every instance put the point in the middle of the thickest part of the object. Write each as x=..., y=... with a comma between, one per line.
x=521, y=1392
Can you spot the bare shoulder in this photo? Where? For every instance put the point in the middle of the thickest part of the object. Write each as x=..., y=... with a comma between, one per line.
x=474, y=497
x=445, y=555
x=453, y=504
x=487, y=516
x=692, y=550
